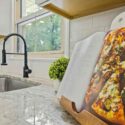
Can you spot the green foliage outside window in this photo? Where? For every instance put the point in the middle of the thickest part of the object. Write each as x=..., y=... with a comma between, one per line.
x=43, y=34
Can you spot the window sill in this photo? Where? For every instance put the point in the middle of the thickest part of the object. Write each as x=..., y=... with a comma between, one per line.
x=39, y=56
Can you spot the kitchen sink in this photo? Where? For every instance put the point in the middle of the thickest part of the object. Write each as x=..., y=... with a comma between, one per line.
x=9, y=84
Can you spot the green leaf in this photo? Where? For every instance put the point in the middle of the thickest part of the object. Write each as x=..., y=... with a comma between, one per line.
x=57, y=68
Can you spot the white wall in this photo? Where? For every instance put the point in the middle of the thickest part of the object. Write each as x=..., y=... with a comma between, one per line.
x=5, y=19
x=5, y=16
x=85, y=26
x=39, y=68
x=79, y=29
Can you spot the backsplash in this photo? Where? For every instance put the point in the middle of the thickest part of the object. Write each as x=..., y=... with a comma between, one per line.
x=83, y=27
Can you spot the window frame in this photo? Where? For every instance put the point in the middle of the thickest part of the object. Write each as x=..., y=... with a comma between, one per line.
x=64, y=51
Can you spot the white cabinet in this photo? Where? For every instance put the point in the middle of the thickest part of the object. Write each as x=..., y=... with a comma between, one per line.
x=5, y=16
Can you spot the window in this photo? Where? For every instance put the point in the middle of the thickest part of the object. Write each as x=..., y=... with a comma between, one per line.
x=28, y=7
x=43, y=33
x=43, y=30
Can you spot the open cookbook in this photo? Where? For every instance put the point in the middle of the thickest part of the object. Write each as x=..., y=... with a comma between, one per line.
x=102, y=94
x=105, y=96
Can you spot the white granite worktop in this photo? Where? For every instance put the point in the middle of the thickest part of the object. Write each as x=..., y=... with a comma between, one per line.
x=32, y=106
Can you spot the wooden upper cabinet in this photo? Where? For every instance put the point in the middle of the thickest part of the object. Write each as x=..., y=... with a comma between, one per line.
x=78, y=8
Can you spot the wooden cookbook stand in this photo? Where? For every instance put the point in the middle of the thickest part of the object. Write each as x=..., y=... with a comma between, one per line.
x=84, y=117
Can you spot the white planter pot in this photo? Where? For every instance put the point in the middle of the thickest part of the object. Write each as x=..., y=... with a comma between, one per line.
x=56, y=84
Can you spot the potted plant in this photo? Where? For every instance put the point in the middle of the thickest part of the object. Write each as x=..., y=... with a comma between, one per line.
x=57, y=70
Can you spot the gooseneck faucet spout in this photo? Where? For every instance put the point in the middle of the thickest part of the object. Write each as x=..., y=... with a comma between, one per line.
x=26, y=70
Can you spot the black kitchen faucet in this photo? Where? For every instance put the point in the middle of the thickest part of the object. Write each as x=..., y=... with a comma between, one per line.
x=26, y=70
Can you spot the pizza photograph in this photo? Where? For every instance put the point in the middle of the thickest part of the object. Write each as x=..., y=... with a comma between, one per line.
x=105, y=96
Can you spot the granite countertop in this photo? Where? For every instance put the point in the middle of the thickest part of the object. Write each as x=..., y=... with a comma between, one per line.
x=33, y=106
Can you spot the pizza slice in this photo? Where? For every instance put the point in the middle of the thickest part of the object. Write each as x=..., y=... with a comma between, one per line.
x=109, y=103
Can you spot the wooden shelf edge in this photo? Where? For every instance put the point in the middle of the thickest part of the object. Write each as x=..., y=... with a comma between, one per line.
x=95, y=11
x=2, y=37
x=57, y=10
x=83, y=117
x=85, y=12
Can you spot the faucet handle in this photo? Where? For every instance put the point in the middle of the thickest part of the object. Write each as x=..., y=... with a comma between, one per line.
x=29, y=71
x=26, y=71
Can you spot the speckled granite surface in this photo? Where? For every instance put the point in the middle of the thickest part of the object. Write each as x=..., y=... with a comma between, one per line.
x=32, y=106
